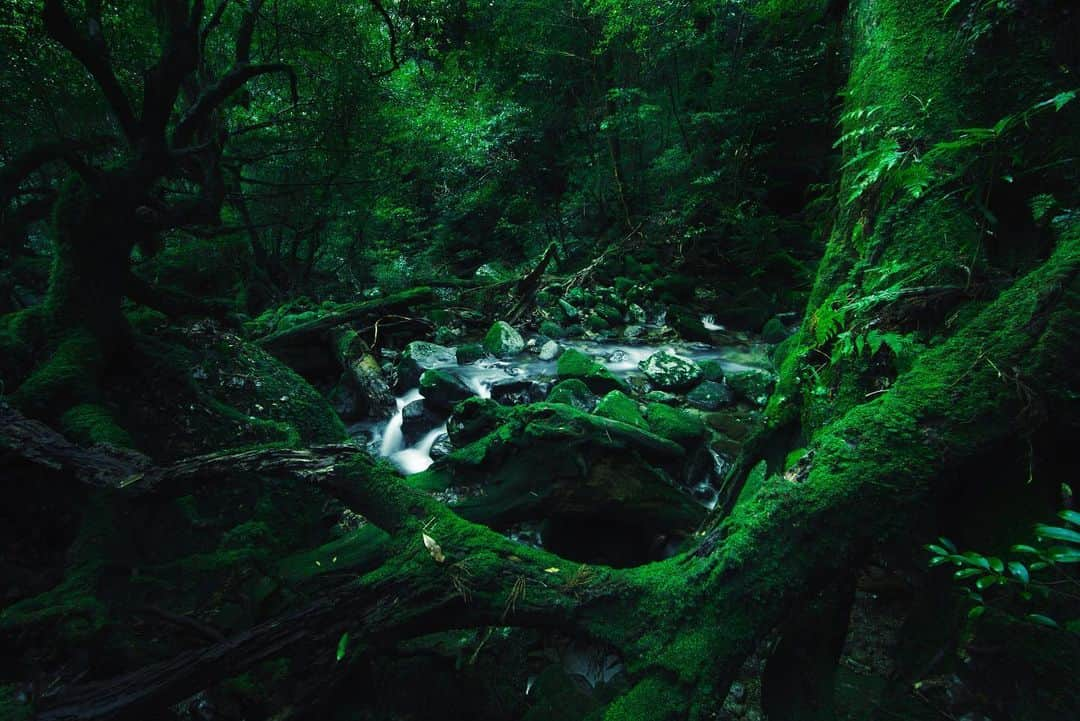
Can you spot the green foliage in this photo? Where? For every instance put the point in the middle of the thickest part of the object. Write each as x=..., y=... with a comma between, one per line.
x=1036, y=583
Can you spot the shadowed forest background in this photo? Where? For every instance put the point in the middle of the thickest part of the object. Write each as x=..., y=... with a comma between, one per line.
x=622, y=360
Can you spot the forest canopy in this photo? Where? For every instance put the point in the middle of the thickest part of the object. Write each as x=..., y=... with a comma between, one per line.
x=545, y=359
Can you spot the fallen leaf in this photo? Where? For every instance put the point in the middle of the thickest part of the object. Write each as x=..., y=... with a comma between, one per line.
x=433, y=548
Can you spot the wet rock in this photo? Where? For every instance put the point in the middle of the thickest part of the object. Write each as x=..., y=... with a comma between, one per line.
x=550, y=351
x=420, y=356
x=671, y=372
x=503, y=341
x=710, y=396
x=474, y=418
x=442, y=447
x=662, y=397
x=551, y=329
x=417, y=420
x=469, y=353
x=518, y=392
x=712, y=370
x=569, y=312
x=442, y=390
x=575, y=364
x=633, y=331
x=573, y=392
x=753, y=386
x=636, y=314
x=609, y=313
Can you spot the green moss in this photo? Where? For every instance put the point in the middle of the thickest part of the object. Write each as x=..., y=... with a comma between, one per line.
x=618, y=406
x=649, y=700
x=573, y=392
x=469, y=353
x=674, y=424
x=69, y=377
x=552, y=329
x=91, y=423
x=575, y=364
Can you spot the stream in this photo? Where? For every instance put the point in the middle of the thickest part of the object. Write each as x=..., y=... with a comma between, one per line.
x=387, y=439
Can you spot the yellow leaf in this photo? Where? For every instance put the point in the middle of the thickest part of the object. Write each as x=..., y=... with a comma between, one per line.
x=551, y=570
x=433, y=548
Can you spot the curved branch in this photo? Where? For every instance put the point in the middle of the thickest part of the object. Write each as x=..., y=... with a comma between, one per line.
x=94, y=57
x=214, y=95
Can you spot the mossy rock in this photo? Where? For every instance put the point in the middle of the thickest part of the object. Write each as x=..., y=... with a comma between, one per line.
x=711, y=370
x=575, y=364
x=442, y=390
x=674, y=424
x=670, y=372
x=596, y=323
x=609, y=313
x=552, y=330
x=469, y=353
x=420, y=356
x=91, y=423
x=710, y=396
x=573, y=392
x=503, y=340
x=752, y=386
x=618, y=406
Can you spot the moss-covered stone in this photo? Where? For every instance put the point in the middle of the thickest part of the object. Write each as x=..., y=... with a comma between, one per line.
x=442, y=390
x=552, y=330
x=670, y=372
x=676, y=425
x=573, y=392
x=467, y=353
x=91, y=423
x=618, y=406
x=503, y=340
x=575, y=364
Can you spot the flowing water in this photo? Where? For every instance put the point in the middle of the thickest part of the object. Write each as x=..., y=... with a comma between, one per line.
x=621, y=358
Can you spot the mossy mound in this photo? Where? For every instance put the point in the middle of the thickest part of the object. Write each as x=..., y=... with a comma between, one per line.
x=575, y=364
x=620, y=407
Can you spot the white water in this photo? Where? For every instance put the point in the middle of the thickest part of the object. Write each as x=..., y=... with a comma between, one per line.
x=388, y=440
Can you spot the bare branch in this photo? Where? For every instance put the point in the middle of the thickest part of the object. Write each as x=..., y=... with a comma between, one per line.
x=395, y=61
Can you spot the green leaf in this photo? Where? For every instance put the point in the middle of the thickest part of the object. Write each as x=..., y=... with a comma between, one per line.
x=1061, y=99
x=996, y=564
x=976, y=611
x=1057, y=533
x=1070, y=516
x=947, y=543
x=1020, y=571
x=967, y=572
x=342, y=644
x=1021, y=548
x=977, y=559
x=937, y=550
x=1066, y=556
x=986, y=582
x=1042, y=620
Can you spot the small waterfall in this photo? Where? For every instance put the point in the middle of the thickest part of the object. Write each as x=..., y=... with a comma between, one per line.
x=392, y=441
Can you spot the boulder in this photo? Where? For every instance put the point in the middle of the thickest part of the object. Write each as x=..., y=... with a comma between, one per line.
x=550, y=351
x=620, y=407
x=573, y=392
x=675, y=425
x=417, y=420
x=442, y=390
x=442, y=447
x=710, y=396
x=502, y=341
x=420, y=356
x=469, y=353
x=671, y=372
x=515, y=392
x=575, y=364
